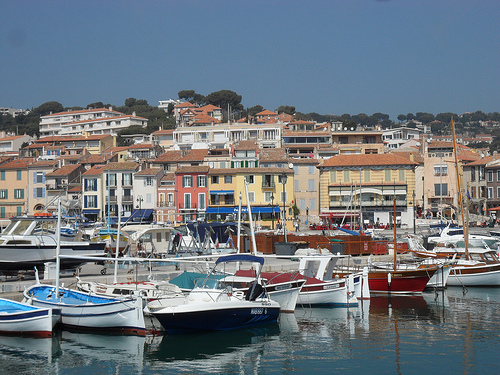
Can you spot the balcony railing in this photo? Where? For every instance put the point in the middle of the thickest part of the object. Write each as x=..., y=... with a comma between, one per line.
x=377, y=203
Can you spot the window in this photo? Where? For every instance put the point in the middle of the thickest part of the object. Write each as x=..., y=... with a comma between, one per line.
x=19, y=175
x=4, y=194
x=333, y=176
x=222, y=164
x=283, y=196
x=346, y=176
x=367, y=175
x=215, y=179
x=228, y=179
x=2, y=175
x=251, y=197
x=312, y=185
x=170, y=199
x=267, y=197
x=490, y=176
x=440, y=190
x=112, y=179
x=19, y=193
x=90, y=201
x=302, y=204
x=148, y=181
x=490, y=192
x=90, y=184
x=401, y=175
x=187, y=200
x=387, y=175
x=311, y=169
x=201, y=201
x=187, y=181
x=39, y=192
x=296, y=169
x=498, y=192
x=296, y=185
x=19, y=211
x=161, y=200
x=127, y=179
x=441, y=170
x=498, y=175
x=39, y=177
x=2, y=212
x=250, y=178
x=202, y=181
x=268, y=181
x=149, y=198
x=312, y=203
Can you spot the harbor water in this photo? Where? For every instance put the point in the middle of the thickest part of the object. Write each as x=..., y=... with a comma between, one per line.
x=451, y=331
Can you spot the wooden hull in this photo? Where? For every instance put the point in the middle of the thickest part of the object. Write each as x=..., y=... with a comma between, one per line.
x=21, y=319
x=83, y=311
x=399, y=282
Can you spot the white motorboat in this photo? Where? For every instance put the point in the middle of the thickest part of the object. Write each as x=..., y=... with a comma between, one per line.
x=30, y=241
x=17, y=318
x=283, y=288
x=212, y=306
x=322, y=288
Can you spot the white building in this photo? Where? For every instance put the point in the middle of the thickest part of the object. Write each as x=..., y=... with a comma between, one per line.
x=93, y=121
x=224, y=135
x=395, y=138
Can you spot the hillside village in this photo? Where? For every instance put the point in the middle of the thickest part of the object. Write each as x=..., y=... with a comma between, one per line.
x=317, y=172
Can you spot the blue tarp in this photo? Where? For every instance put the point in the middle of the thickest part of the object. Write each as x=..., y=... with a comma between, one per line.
x=144, y=213
x=218, y=231
x=187, y=280
x=91, y=212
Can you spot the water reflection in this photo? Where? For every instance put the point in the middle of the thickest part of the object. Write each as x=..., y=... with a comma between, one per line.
x=456, y=328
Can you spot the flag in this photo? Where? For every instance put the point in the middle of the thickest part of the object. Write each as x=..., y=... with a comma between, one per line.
x=468, y=195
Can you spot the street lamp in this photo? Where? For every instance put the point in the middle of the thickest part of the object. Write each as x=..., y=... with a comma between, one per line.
x=272, y=214
x=283, y=181
x=140, y=199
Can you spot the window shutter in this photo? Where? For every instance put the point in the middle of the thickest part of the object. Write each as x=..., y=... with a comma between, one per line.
x=34, y=178
x=22, y=193
x=95, y=184
x=85, y=202
x=43, y=193
x=43, y=177
x=34, y=192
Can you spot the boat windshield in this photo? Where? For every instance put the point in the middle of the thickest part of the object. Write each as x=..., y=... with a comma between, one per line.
x=208, y=283
x=17, y=227
x=478, y=244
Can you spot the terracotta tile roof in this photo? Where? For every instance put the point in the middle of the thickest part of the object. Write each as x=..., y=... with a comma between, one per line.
x=266, y=113
x=38, y=145
x=205, y=119
x=71, y=138
x=170, y=176
x=140, y=146
x=95, y=158
x=171, y=156
x=301, y=122
x=184, y=105
x=484, y=161
x=11, y=138
x=209, y=108
x=96, y=170
x=304, y=161
x=166, y=131
x=148, y=172
x=417, y=157
x=44, y=163
x=192, y=169
x=64, y=171
x=124, y=165
x=249, y=144
x=440, y=144
x=366, y=160
x=290, y=133
x=17, y=163
x=75, y=189
x=194, y=155
x=269, y=155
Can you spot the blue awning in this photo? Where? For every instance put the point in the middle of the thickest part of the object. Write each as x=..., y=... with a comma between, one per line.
x=234, y=210
x=144, y=213
x=221, y=192
x=91, y=212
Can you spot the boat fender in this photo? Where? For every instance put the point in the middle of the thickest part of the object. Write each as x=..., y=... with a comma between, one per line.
x=389, y=277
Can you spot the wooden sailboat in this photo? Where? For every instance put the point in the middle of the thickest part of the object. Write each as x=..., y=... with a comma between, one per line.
x=399, y=281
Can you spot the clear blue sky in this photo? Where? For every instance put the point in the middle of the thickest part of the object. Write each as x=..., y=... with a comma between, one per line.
x=329, y=57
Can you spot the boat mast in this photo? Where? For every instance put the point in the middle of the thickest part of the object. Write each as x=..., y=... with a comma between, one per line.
x=464, y=224
x=58, y=247
x=395, y=222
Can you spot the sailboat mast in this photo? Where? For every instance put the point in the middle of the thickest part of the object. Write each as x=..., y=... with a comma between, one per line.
x=395, y=222
x=466, y=230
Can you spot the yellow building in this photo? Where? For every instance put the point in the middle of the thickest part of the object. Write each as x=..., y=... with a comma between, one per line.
x=352, y=186
x=266, y=193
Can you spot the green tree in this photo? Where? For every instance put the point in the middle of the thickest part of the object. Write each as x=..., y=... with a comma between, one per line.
x=47, y=108
x=192, y=97
x=223, y=98
x=98, y=105
x=288, y=109
x=402, y=118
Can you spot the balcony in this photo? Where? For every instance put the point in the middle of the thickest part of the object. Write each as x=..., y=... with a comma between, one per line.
x=369, y=204
x=127, y=199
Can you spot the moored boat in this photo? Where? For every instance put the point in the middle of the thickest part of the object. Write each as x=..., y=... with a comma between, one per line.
x=212, y=306
x=17, y=318
x=84, y=311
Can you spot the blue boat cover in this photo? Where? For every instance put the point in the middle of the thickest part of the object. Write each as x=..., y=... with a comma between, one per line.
x=240, y=258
